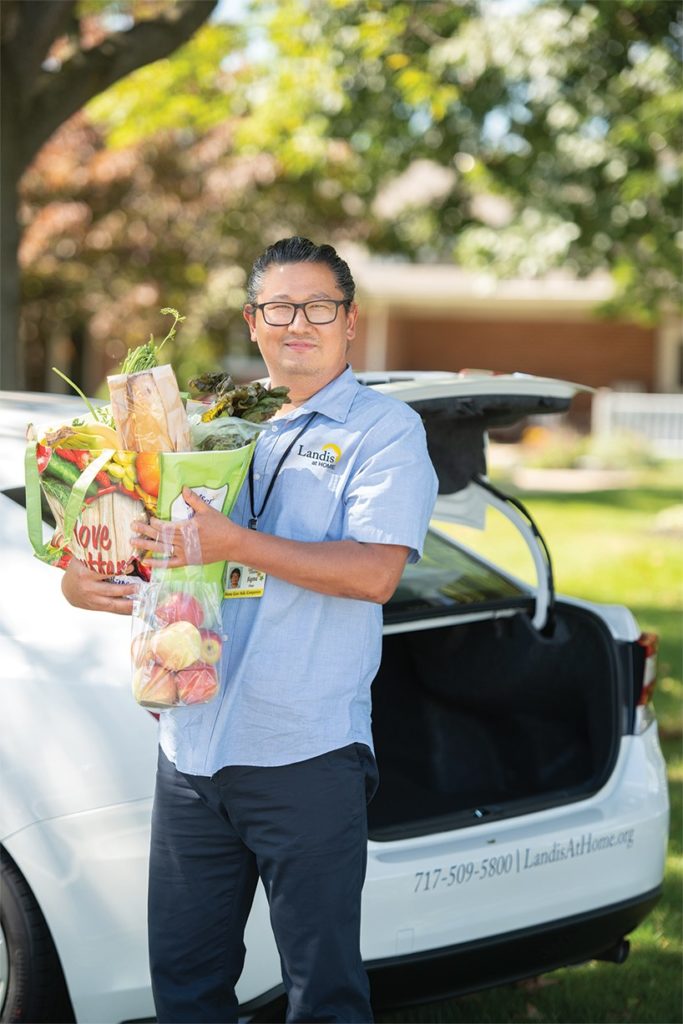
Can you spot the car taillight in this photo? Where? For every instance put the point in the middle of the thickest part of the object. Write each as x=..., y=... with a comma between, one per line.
x=649, y=642
x=645, y=715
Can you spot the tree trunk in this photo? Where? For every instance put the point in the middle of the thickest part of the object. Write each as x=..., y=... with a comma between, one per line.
x=34, y=102
x=12, y=370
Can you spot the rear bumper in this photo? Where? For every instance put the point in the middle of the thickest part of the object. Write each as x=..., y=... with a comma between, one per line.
x=434, y=975
x=456, y=970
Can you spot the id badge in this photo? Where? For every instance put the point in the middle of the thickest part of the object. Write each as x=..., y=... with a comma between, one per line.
x=243, y=581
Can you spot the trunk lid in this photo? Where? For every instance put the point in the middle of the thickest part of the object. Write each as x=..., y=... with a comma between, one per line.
x=458, y=409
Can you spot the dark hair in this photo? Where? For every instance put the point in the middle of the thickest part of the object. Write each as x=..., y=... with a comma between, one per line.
x=300, y=250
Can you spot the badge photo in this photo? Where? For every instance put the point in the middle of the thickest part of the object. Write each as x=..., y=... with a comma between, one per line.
x=243, y=581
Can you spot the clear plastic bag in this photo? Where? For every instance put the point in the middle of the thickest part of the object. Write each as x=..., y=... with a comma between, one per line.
x=177, y=642
x=225, y=433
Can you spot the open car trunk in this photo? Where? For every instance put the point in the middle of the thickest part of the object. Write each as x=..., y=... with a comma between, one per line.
x=491, y=718
x=479, y=709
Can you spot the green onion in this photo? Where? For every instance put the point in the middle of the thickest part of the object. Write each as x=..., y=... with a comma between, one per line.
x=144, y=357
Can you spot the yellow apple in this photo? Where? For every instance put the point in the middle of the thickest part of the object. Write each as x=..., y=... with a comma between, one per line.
x=177, y=645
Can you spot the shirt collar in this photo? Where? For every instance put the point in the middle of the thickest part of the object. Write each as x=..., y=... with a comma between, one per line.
x=334, y=400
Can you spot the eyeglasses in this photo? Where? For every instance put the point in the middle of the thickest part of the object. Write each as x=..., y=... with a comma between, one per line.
x=317, y=311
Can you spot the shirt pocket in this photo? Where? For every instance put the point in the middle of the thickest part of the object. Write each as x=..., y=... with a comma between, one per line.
x=309, y=505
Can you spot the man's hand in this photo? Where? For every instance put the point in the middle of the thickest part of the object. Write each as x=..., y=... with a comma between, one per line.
x=204, y=538
x=86, y=589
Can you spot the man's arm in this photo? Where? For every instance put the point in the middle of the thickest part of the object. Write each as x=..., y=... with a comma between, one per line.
x=344, y=568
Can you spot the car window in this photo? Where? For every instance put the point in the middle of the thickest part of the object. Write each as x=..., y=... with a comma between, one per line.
x=448, y=577
x=500, y=542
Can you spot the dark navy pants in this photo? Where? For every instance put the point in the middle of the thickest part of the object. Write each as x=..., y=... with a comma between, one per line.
x=303, y=829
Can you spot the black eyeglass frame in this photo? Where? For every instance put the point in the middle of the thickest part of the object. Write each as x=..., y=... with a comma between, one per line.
x=300, y=305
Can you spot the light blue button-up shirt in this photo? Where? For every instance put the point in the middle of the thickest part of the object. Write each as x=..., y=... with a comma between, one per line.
x=298, y=665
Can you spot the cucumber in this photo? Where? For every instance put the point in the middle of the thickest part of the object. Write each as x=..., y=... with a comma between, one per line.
x=67, y=473
x=60, y=492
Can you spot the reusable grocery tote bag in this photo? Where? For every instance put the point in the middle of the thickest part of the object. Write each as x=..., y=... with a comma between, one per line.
x=95, y=496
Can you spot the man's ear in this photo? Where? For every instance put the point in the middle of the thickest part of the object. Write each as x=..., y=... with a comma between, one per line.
x=351, y=318
x=251, y=321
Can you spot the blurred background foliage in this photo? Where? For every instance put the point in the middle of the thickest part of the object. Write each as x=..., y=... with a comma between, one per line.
x=514, y=138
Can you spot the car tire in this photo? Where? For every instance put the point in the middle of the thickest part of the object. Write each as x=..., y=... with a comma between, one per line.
x=32, y=987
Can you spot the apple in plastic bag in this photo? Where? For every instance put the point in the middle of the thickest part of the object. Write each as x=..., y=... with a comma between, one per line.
x=155, y=687
x=181, y=607
x=212, y=645
x=140, y=649
x=197, y=684
x=177, y=645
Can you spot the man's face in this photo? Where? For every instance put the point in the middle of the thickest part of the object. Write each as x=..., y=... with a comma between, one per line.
x=311, y=353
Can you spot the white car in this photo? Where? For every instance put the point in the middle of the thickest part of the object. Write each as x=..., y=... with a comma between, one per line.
x=522, y=817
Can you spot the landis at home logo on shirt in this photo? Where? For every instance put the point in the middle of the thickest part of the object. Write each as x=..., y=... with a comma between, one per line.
x=328, y=456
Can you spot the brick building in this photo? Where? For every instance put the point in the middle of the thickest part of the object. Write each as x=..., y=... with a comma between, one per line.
x=430, y=317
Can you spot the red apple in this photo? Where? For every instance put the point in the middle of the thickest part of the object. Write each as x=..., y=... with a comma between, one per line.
x=197, y=684
x=181, y=607
x=212, y=645
x=177, y=645
x=155, y=687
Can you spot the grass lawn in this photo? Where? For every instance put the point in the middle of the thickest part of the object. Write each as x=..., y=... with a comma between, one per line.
x=606, y=547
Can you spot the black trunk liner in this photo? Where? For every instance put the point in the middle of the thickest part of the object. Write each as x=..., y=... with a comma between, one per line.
x=490, y=714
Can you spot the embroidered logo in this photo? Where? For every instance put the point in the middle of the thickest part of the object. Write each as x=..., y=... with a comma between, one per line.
x=328, y=456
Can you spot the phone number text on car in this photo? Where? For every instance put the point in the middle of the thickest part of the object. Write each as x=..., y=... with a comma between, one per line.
x=518, y=860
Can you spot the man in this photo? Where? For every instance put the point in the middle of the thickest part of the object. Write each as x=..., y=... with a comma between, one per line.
x=272, y=778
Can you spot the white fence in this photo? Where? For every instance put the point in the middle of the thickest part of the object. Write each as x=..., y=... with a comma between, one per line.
x=658, y=418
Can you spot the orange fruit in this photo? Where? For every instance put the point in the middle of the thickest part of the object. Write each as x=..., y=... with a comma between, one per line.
x=147, y=468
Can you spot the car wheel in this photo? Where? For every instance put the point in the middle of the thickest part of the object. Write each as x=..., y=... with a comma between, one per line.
x=31, y=982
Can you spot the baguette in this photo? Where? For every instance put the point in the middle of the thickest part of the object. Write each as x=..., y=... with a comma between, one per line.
x=148, y=411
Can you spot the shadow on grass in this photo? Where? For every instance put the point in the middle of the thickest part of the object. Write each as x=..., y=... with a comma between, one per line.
x=644, y=990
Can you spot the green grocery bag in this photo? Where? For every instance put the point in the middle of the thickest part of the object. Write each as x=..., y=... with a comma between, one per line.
x=95, y=496
x=217, y=478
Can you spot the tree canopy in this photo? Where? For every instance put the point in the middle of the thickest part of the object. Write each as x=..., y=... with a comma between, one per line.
x=518, y=143
x=55, y=55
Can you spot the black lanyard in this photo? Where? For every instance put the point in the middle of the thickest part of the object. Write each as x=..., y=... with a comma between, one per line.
x=255, y=516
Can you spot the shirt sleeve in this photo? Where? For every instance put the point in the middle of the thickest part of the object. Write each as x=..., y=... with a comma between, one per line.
x=390, y=497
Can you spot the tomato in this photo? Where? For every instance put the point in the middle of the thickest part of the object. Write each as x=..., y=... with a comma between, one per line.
x=147, y=468
x=42, y=457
